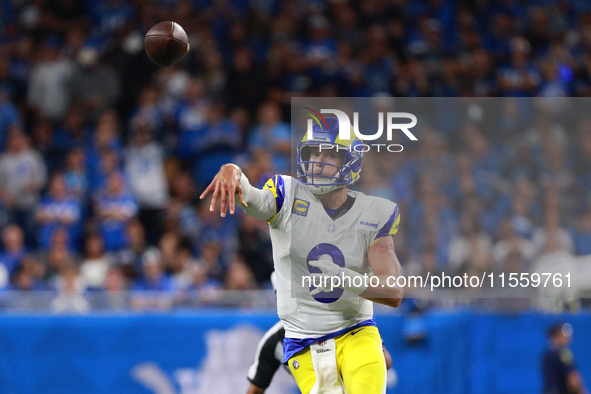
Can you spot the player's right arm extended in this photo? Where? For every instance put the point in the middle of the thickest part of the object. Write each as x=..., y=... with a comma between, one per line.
x=229, y=183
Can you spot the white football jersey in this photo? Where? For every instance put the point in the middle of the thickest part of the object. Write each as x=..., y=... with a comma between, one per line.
x=301, y=231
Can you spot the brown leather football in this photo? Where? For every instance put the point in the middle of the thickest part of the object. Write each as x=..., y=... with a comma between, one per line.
x=166, y=43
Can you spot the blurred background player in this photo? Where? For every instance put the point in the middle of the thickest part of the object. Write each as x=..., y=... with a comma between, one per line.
x=559, y=371
x=325, y=330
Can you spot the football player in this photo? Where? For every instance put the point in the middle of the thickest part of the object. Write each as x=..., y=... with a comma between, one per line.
x=322, y=229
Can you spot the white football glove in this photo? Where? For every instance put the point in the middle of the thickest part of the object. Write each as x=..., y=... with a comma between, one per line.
x=329, y=269
x=326, y=265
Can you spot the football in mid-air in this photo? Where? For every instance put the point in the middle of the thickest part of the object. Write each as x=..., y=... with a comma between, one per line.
x=166, y=43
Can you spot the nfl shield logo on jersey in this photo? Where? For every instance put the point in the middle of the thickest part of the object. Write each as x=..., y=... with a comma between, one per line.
x=321, y=343
x=295, y=364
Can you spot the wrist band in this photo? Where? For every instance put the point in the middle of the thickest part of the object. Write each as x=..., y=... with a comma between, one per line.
x=353, y=281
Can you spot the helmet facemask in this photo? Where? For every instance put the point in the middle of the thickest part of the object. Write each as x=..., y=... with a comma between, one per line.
x=322, y=184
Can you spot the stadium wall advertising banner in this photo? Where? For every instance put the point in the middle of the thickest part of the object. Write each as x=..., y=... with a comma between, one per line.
x=210, y=352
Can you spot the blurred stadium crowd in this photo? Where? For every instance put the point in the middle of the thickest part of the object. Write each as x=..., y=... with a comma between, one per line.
x=104, y=154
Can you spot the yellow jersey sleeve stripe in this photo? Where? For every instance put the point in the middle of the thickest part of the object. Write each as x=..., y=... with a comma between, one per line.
x=277, y=186
x=390, y=227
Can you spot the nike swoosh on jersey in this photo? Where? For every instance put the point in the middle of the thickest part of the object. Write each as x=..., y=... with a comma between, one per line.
x=355, y=332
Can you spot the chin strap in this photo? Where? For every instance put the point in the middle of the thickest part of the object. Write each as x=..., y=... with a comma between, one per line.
x=317, y=189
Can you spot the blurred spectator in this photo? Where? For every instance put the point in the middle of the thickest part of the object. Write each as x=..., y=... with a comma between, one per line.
x=22, y=176
x=173, y=81
x=145, y=169
x=553, y=258
x=28, y=276
x=181, y=214
x=431, y=223
x=96, y=264
x=12, y=92
x=557, y=79
x=42, y=142
x=191, y=117
x=245, y=86
x=56, y=210
x=107, y=16
x=150, y=112
x=374, y=183
x=114, y=207
x=514, y=262
x=103, y=151
x=422, y=264
x=184, y=269
x=520, y=217
x=582, y=234
x=239, y=276
x=556, y=173
x=13, y=243
x=522, y=165
x=210, y=258
x=471, y=247
x=94, y=86
x=215, y=230
x=130, y=258
x=552, y=228
x=255, y=247
x=75, y=175
x=10, y=115
x=62, y=15
x=70, y=298
x=582, y=163
x=485, y=163
x=168, y=248
x=545, y=133
x=510, y=242
x=114, y=289
x=153, y=276
x=217, y=144
x=272, y=135
x=201, y=281
x=50, y=81
x=520, y=77
x=108, y=163
x=114, y=281
x=71, y=133
x=107, y=132
x=59, y=258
